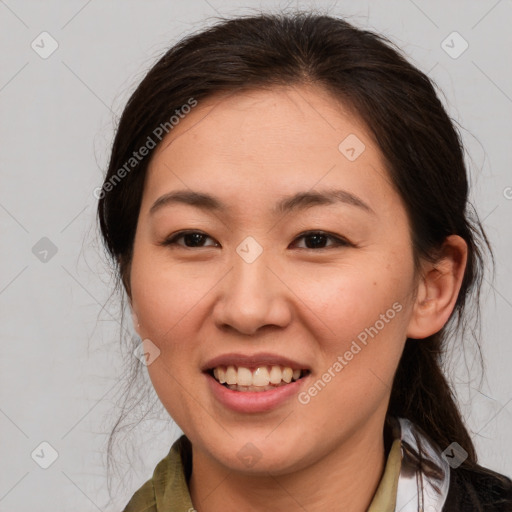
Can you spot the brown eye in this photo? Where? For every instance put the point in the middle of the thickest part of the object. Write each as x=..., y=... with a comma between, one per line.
x=191, y=239
x=318, y=240
x=313, y=240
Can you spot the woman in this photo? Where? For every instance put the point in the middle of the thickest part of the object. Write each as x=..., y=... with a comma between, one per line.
x=287, y=204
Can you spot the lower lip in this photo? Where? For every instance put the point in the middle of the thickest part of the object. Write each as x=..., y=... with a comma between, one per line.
x=253, y=401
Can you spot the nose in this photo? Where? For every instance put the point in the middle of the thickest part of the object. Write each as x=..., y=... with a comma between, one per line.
x=252, y=296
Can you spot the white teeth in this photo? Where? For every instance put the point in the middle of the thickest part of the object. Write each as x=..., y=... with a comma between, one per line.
x=262, y=378
x=220, y=374
x=231, y=375
x=244, y=376
x=275, y=375
x=287, y=374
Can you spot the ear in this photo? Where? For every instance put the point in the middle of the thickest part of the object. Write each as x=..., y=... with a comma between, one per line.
x=438, y=289
x=135, y=320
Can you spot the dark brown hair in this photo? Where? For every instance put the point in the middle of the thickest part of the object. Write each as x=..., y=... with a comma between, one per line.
x=399, y=106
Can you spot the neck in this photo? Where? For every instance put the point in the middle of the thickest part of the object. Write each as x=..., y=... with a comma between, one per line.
x=347, y=477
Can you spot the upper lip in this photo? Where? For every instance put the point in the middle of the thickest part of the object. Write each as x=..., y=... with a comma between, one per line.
x=252, y=361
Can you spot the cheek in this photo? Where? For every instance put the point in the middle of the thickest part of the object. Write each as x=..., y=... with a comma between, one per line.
x=165, y=303
x=350, y=298
x=163, y=296
x=367, y=325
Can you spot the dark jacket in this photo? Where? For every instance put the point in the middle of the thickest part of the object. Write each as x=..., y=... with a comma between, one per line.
x=478, y=489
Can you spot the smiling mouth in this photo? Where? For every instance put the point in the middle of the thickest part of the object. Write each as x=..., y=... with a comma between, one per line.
x=260, y=378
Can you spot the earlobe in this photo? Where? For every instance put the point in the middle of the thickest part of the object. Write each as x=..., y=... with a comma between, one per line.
x=135, y=320
x=438, y=289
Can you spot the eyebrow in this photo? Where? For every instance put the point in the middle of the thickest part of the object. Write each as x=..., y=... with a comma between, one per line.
x=295, y=202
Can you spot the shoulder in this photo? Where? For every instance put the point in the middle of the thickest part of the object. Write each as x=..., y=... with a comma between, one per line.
x=143, y=500
x=168, y=485
x=475, y=489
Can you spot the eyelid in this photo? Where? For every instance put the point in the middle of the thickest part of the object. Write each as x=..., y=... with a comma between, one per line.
x=171, y=239
x=339, y=241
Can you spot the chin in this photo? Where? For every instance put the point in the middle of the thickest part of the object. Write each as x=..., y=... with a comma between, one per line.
x=256, y=455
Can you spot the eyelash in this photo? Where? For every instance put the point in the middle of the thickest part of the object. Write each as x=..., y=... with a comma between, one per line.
x=339, y=242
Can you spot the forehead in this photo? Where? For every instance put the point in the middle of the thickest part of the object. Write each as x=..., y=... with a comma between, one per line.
x=265, y=141
x=285, y=116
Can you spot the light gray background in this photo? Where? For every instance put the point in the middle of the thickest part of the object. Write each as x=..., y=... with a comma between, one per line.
x=60, y=370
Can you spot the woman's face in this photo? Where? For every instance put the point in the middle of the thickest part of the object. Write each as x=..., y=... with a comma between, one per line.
x=257, y=294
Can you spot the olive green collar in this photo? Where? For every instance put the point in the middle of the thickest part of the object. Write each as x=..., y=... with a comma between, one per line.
x=399, y=488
